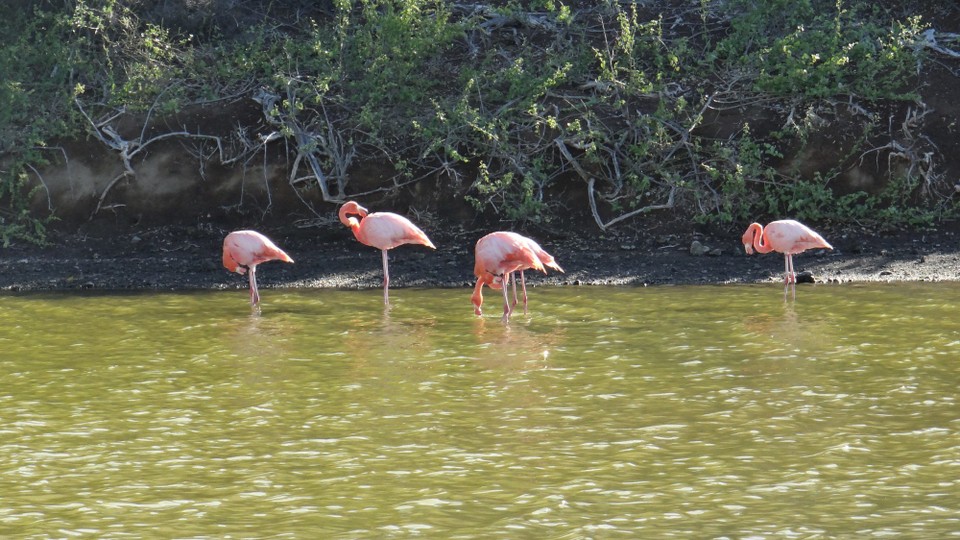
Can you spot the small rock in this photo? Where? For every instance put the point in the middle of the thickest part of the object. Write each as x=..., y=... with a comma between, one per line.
x=697, y=249
x=715, y=252
x=665, y=239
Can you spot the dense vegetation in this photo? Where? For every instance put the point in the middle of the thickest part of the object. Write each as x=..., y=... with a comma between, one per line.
x=640, y=106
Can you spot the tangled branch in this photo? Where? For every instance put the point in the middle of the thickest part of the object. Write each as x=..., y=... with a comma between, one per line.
x=930, y=42
x=106, y=133
x=913, y=147
x=310, y=143
x=591, y=196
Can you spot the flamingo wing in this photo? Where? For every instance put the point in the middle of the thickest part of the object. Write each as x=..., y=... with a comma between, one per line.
x=250, y=248
x=503, y=252
x=545, y=258
x=386, y=230
x=791, y=237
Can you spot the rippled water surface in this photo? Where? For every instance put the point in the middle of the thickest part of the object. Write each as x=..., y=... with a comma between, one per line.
x=605, y=413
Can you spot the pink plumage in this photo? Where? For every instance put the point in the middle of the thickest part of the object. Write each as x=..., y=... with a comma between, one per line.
x=498, y=256
x=783, y=236
x=244, y=250
x=384, y=231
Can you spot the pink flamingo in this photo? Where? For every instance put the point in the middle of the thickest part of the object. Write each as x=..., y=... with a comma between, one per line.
x=244, y=250
x=784, y=236
x=384, y=231
x=498, y=256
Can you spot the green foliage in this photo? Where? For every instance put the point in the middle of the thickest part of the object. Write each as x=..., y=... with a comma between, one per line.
x=747, y=188
x=515, y=197
x=16, y=223
x=732, y=176
x=822, y=48
x=36, y=92
x=390, y=50
x=488, y=94
x=129, y=62
x=638, y=56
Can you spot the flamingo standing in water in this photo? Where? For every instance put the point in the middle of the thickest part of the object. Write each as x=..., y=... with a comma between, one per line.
x=244, y=250
x=784, y=236
x=384, y=231
x=498, y=256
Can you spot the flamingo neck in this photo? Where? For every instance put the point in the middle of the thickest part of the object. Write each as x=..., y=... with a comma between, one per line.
x=760, y=243
x=354, y=225
x=477, y=297
x=347, y=214
x=350, y=221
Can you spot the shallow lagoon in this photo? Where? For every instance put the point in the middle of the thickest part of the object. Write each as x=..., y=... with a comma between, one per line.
x=605, y=412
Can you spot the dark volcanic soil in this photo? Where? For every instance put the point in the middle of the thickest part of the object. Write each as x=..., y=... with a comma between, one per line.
x=178, y=258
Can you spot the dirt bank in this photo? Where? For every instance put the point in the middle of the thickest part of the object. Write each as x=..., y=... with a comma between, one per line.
x=179, y=258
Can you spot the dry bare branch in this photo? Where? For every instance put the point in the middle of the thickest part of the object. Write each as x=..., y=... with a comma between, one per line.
x=104, y=131
x=309, y=144
x=930, y=42
x=913, y=148
x=591, y=196
x=44, y=184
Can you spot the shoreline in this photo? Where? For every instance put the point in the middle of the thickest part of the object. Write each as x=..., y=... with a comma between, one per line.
x=188, y=258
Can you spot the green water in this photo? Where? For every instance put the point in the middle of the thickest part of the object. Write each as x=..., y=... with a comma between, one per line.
x=702, y=412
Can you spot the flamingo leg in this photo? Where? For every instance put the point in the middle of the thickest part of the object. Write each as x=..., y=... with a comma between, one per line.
x=793, y=277
x=793, y=273
x=790, y=277
x=254, y=293
x=523, y=284
x=513, y=279
x=506, y=301
x=386, y=278
x=787, y=287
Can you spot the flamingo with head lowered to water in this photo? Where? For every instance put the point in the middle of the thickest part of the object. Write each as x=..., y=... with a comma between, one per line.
x=498, y=256
x=244, y=250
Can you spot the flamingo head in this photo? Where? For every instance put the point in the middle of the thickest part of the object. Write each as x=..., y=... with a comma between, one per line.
x=477, y=300
x=349, y=209
x=230, y=263
x=749, y=236
x=477, y=296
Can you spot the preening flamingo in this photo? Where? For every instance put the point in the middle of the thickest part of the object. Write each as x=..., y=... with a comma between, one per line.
x=784, y=236
x=384, y=231
x=498, y=255
x=244, y=250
